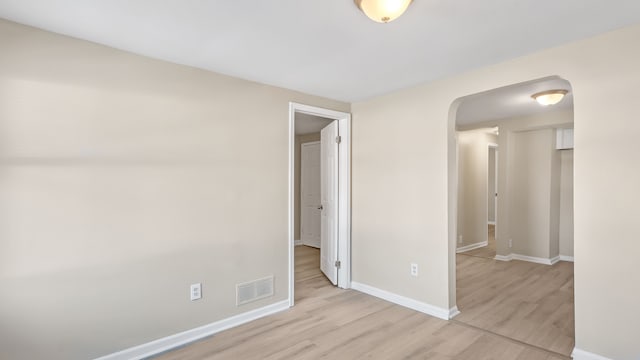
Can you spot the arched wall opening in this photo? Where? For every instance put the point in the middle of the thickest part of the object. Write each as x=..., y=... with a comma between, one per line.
x=534, y=215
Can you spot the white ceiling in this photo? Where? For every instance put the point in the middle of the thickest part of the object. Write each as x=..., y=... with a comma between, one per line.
x=327, y=47
x=511, y=102
x=309, y=124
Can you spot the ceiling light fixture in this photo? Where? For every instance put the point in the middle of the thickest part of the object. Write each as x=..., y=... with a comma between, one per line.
x=550, y=97
x=383, y=11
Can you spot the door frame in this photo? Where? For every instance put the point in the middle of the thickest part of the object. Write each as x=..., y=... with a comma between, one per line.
x=302, y=162
x=495, y=148
x=344, y=191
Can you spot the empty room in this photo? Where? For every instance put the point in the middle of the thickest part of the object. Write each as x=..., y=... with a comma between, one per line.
x=383, y=179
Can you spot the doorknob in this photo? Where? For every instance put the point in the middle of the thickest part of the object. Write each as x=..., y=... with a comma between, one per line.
x=320, y=207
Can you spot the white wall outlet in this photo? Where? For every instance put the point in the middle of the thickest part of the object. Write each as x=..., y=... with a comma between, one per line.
x=414, y=269
x=459, y=239
x=196, y=291
x=510, y=243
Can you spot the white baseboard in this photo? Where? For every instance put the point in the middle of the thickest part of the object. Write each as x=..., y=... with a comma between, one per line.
x=491, y=222
x=416, y=305
x=537, y=260
x=504, y=257
x=532, y=259
x=297, y=242
x=453, y=312
x=566, y=258
x=472, y=247
x=170, y=342
x=578, y=354
x=554, y=260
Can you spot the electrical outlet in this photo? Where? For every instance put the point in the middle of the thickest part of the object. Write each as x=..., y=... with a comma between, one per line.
x=510, y=243
x=196, y=291
x=414, y=269
x=459, y=239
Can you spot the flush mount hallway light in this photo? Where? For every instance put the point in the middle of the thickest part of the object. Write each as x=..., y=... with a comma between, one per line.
x=383, y=11
x=550, y=97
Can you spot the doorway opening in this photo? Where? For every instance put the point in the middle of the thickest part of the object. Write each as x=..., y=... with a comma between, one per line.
x=319, y=193
x=524, y=289
x=477, y=192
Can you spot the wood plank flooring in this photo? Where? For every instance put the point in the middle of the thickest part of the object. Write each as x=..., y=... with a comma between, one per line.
x=331, y=323
x=528, y=302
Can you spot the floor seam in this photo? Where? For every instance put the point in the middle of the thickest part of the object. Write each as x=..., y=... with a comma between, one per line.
x=511, y=339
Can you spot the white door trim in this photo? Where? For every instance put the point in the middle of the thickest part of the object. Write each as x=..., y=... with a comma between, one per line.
x=495, y=185
x=344, y=191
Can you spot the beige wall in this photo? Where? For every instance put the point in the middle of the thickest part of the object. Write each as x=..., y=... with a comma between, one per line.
x=554, y=203
x=473, y=170
x=413, y=177
x=299, y=140
x=566, y=203
x=529, y=192
x=526, y=231
x=124, y=180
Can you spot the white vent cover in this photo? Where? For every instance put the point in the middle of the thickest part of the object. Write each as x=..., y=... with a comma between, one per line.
x=254, y=290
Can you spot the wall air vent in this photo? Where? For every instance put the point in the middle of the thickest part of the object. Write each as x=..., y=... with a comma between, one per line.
x=254, y=290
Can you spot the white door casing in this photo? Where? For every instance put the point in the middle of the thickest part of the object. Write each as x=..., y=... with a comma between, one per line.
x=497, y=192
x=329, y=202
x=492, y=180
x=310, y=213
x=344, y=192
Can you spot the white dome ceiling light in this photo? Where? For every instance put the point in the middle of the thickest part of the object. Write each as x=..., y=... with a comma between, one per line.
x=383, y=11
x=550, y=97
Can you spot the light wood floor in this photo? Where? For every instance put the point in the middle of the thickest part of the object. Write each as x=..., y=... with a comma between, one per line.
x=528, y=302
x=331, y=323
x=488, y=251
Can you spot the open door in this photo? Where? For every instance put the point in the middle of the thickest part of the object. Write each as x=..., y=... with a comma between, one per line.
x=329, y=202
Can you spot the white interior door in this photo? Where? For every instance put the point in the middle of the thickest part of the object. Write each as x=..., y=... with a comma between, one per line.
x=329, y=196
x=310, y=201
